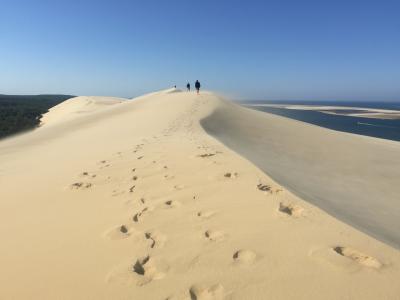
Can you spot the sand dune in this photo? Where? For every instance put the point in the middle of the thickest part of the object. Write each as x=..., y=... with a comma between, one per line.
x=77, y=107
x=135, y=201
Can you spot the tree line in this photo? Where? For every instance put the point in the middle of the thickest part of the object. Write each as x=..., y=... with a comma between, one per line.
x=23, y=112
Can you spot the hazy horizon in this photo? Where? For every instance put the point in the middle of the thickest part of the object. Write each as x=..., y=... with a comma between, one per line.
x=232, y=98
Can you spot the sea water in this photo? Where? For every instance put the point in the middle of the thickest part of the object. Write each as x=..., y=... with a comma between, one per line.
x=380, y=128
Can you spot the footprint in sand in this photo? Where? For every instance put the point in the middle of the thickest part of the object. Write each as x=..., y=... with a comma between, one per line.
x=138, y=216
x=203, y=292
x=140, y=157
x=168, y=177
x=143, y=270
x=264, y=187
x=179, y=187
x=231, y=175
x=244, y=257
x=206, y=155
x=81, y=185
x=172, y=203
x=120, y=232
x=132, y=188
x=148, y=269
x=358, y=257
x=87, y=174
x=103, y=164
x=137, y=148
x=206, y=214
x=215, y=235
x=156, y=238
x=345, y=258
x=291, y=209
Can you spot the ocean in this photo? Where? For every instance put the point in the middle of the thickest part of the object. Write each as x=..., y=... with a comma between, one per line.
x=379, y=128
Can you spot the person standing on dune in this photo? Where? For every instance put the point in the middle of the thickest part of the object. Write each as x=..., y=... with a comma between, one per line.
x=188, y=87
x=197, y=86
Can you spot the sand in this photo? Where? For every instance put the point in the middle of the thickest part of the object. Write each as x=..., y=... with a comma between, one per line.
x=134, y=200
x=76, y=107
x=353, y=177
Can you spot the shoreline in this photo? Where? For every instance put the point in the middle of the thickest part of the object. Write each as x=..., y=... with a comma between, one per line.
x=352, y=111
x=384, y=128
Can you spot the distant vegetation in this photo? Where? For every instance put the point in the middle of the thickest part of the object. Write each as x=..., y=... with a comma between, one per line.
x=19, y=113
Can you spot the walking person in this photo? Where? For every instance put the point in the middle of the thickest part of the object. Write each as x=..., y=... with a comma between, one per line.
x=188, y=86
x=197, y=86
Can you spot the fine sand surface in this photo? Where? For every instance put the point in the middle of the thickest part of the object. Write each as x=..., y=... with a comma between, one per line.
x=76, y=107
x=353, y=177
x=133, y=200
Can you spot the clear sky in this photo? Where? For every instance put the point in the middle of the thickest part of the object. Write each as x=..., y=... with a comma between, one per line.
x=281, y=49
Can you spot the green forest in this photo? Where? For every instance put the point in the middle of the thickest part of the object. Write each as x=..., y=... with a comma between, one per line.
x=20, y=113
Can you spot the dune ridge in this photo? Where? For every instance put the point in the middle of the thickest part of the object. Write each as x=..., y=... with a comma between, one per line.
x=135, y=200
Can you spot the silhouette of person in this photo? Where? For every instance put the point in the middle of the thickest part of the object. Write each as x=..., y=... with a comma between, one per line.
x=188, y=87
x=197, y=86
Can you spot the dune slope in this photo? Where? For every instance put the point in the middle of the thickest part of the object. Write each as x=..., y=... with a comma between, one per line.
x=136, y=201
x=353, y=177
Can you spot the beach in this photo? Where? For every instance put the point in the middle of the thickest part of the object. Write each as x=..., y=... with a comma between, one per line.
x=171, y=196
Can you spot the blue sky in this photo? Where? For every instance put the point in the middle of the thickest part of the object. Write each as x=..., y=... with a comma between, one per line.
x=286, y=49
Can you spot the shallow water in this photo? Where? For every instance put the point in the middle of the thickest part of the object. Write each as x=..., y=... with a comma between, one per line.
x=380, y=128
